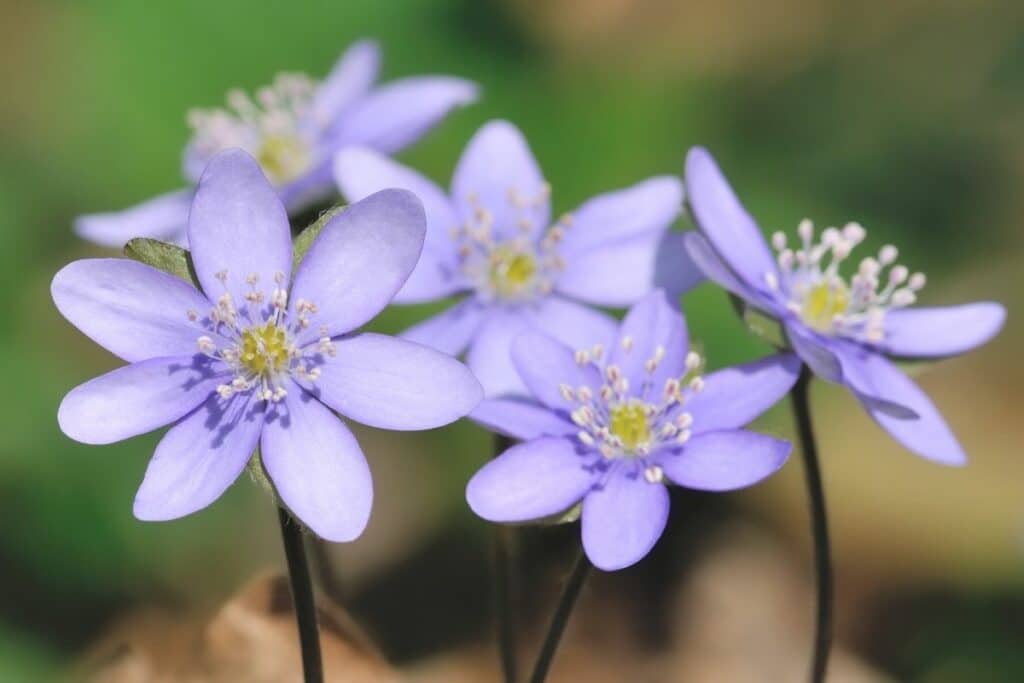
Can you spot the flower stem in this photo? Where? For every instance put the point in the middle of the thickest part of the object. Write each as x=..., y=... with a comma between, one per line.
x=504, y=586
x=302, y=597
x=819, y=525
x=561, y=617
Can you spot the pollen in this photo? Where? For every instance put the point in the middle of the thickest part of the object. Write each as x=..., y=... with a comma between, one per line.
x=629, y=424
x=264, y=349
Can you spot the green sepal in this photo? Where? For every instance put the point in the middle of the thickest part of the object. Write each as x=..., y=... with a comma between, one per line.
x=169, y=258
x=760, y=323
x=304, y=240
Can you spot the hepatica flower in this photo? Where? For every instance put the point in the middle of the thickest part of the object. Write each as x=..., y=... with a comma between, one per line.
x=492, y=242
x=293, y=127
x=258, y=357
x=612, y=424
x=845, y=326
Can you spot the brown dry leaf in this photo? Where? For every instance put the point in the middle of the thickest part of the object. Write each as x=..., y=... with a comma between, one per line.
x=252, y=638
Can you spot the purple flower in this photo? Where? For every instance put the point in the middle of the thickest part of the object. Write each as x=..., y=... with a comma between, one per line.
x=293, y=127
x=491, y=240
x=845, y=328
x=260, y=358
x=610, y=425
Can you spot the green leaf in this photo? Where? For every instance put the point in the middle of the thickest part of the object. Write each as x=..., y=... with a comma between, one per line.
x=169, y=258
x=304, y=240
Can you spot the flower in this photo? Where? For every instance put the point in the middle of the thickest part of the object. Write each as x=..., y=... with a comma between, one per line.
x=492, y=241
x=259, y=358
x=845, y=328
x=610, y=425
x=293, y=127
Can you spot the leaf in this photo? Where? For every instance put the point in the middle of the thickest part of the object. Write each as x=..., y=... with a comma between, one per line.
x=169, y=258
x=304, y=240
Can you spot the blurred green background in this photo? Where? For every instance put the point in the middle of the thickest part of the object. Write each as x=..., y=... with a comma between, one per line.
x=908, y=117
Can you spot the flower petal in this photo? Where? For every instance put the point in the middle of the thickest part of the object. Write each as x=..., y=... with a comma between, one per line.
x=704, y=257
x=724, y=460
x=653, y=328
x=199, y=458
x=360, y=260
x=944, y=331
x=163, y=217
x=351, y=77
x=813, y=350
x=521, y=419
x=623, y=519
x=238, y=228
x=918, y=426
x=530, y=481
x=736, y=396
x=397, y=114
x=392, y=383
x=360, y=171
x=449, y=331
x=490, y=352
x=317, y=467
x=545, y=364
x=498, y=174
x=648, y=207
x=137, y=398
x=723, y=220
x=620, y=273
x=577, y=326
x=131, y=309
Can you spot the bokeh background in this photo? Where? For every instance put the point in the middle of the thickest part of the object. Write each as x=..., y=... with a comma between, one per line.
x=905, y=116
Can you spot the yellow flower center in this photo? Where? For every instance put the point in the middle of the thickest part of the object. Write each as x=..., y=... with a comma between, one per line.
x=511, y=271
x=629, y=423
x=823, y=303
x=264, y=349
x=283, y=157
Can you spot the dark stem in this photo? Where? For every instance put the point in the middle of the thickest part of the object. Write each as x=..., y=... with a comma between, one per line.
x=560, y=618
x=819, y=526
x=302, y=597
x=504, y=589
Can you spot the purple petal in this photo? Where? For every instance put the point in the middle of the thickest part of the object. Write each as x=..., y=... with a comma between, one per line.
x=815, y=351
x=317, y=467
x=529, y=481
x=521, y=419
x=360, y=260
x=132, y=310
x=920, y=427
x=725, y=460
x=396, y=384
x=449, y=331
x=645, y=208
x=490, y=352
x=199, y=458
x=723, y=220
x=397, y=114
x=545, y=364
x=945, y=331
x=623, y=519
x=136, y=398
x=238, y=228
x=736, y=396
x=163, y=217
x=620, y=273
x=653, y=328
x=496, y=168
x=573, y=324
x=360, y=171
x=350, y=78
x=704, y=257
